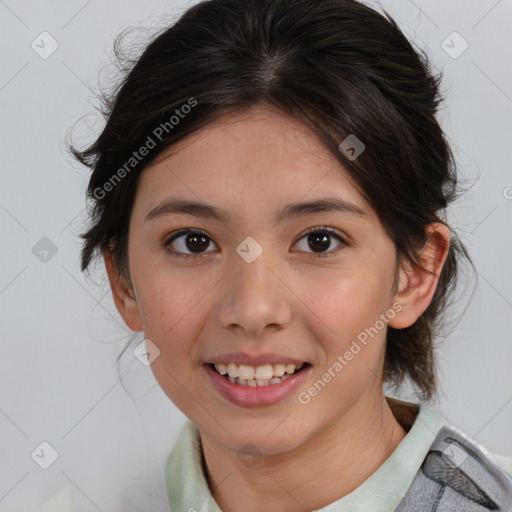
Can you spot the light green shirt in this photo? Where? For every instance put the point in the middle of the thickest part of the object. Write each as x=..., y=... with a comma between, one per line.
x=187, y=487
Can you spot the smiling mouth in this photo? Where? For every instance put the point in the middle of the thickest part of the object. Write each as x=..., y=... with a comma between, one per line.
x=266, y=375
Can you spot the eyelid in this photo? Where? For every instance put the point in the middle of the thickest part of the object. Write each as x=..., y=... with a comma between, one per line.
x=183, y=231
x=328, y=229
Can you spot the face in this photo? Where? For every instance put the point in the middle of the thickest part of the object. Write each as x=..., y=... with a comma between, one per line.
x=255, y=286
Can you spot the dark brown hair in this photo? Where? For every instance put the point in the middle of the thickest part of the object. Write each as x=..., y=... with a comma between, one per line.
x=340, y=67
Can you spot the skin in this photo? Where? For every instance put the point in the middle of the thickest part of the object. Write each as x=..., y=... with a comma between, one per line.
x=291, y=300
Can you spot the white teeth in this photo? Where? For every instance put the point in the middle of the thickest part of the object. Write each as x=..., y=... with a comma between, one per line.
x=265, y=375
x=290, y=368
x=279, y=370
x=232, y=370
x=264, y=372
x=245, y=372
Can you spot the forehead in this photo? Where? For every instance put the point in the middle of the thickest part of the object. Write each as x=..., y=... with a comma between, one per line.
x=258, y=156
x=259, y=134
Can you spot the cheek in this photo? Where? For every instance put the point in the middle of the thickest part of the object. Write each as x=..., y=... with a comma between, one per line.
x=343, y=305
x=343, y=316
x=172, y=316
x=174, y=310
x=169, y=300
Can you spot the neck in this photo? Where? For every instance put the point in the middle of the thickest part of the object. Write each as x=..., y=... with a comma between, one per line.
x=342, y=457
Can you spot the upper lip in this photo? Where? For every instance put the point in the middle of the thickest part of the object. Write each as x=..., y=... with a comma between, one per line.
x=239, y=358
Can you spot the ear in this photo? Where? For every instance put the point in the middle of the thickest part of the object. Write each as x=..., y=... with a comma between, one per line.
x=416, y=287
x=123, y=295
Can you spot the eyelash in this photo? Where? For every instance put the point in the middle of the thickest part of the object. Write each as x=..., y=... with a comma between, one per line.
x=320, y=229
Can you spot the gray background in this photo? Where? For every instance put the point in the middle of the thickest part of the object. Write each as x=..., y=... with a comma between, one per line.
x=60, y=331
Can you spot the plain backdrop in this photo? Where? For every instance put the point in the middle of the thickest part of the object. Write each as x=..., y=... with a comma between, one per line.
x=59, y=330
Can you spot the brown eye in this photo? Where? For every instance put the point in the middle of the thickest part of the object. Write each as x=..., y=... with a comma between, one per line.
x=192, y=240
x=319, y=240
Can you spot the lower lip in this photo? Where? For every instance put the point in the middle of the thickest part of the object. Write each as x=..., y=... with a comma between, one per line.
x=247, y=396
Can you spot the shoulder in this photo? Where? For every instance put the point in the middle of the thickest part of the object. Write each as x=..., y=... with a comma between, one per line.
x=458, y=473
x=436, y=420
x=502, y=461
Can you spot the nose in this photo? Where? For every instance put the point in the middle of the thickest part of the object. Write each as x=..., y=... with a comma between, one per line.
x=254, y=298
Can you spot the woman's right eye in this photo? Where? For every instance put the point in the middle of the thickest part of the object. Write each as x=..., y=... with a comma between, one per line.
x=193, y=240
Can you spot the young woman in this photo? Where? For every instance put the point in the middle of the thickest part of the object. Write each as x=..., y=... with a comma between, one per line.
x=268, y=195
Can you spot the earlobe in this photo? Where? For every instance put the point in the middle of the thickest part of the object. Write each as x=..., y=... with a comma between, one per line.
x=416, y=287
x=124, y=298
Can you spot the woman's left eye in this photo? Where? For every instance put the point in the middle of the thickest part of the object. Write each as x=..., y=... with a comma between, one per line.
x=196, y=241
x=320, y=239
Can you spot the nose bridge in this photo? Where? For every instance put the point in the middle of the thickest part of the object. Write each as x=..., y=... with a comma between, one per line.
x=254, y=297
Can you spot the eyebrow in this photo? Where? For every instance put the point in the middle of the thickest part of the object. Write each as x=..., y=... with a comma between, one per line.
x=324, y=204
